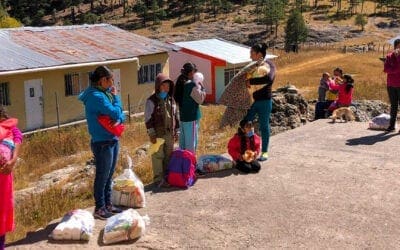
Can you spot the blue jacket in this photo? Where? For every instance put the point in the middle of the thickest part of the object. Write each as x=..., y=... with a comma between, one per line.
x=97, y=103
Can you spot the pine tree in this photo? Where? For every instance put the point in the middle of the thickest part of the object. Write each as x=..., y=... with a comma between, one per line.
x=296, y=31
x=361, y=21
x=140, y=8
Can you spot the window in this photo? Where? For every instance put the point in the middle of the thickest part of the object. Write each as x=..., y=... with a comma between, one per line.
x=229, y=74
x=75, y=83
x=5, y=94
x=148, y=73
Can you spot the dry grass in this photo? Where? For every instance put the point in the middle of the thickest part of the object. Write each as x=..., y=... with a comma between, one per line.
x=304, y=70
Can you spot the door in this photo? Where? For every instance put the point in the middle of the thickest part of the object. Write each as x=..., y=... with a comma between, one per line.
x=34, y=104
x=117, y=80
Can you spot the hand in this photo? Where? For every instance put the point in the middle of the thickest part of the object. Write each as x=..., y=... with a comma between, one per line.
x=248, y=85
x=8, y=167
x=113, y=90
x=153, y=139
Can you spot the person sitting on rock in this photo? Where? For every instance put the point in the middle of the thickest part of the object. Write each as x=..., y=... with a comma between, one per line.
x=323, y=86
x=345, y=92
x=244, y=147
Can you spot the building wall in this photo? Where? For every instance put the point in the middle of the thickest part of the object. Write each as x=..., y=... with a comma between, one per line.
x=219, y=82
x=177, y=59
x=70, y=108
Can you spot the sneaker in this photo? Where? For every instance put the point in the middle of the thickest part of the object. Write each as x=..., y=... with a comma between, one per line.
x=389, y=129
x=114, y=210
x=200, y=172
x=263, y=157
x=102, y=213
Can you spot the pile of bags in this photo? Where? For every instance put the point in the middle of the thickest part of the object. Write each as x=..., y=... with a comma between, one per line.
x=128, y=190
x=75, y=225
x=127, y=225
x=380, y=122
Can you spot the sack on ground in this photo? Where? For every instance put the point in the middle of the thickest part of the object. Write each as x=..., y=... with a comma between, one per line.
x=128, y=190
x=182, y=169
x=128, y=225
x=75, y=225
x=214, y=163
x=380, y=122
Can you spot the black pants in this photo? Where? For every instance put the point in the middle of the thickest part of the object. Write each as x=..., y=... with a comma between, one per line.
x=248, y=167
x=394, y=97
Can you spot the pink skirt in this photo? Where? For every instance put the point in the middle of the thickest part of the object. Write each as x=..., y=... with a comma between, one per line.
x=6, y=195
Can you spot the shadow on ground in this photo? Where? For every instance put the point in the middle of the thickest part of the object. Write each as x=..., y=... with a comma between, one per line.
x=370, y=139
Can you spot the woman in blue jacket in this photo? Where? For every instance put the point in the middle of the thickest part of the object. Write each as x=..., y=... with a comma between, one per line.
x=101, y=99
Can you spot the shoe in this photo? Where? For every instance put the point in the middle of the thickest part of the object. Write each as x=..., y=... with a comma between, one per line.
x=389, y=129
x=102, y=213
x=114, y=210
x=263, y=157
x=163, y=184
x=200, y=172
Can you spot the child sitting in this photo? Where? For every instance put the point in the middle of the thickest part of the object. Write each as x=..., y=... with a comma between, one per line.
x=162, y=121
x=245, y=147
x=345, y=92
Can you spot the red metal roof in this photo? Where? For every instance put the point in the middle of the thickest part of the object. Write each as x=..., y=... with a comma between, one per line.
x=35, y=47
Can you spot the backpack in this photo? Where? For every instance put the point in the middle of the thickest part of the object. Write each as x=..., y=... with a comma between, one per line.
x=182, y=169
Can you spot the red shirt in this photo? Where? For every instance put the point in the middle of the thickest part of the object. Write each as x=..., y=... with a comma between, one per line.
x=344, y=97
x=392, y=68
x=235, y=146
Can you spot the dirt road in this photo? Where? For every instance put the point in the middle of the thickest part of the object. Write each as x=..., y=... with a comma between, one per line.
x=326, y=185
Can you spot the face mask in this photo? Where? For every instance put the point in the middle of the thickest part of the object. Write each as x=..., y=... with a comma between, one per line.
x=250, y=133
x=163, y=95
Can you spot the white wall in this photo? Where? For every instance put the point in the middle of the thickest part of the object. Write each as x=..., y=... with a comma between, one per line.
x=176, y=61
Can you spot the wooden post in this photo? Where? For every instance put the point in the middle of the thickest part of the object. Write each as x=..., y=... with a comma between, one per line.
x=129, y=108
x=57, y=111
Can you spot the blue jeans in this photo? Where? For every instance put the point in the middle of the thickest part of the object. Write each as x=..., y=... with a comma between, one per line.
x=263, y=109
x=188, y=138
x=106, y=156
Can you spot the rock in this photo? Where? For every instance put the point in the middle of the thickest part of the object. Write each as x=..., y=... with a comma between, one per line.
x=365, y=110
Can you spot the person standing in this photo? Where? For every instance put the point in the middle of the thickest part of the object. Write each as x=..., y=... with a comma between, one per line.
x=187, y=72
x=193, y=96
x=262, y=105
x=101, y=99
x=11, y=139
x=392, y=69
x=162, y=121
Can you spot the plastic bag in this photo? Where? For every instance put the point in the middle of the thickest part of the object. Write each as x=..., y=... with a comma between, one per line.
x=156, y=146
x=75, y=225
x=127, y=225
x=380, y=122
x=214, y=163
x=128, y=190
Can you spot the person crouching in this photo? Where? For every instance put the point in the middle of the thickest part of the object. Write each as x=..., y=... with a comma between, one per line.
x=244, y=148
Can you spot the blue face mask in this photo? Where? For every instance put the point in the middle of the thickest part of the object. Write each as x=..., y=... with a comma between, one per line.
x=250, y=133
x=163, y=95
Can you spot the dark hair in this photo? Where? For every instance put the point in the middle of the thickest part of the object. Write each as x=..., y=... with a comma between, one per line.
x=349, y=82
x=187, y=68
x=243, y=137
x=338, y=70
x=3, y=112
x=260, y=48
x=98, y=73
x=396, y=42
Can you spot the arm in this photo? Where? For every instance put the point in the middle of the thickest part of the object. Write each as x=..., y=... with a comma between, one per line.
x=234, y=148
x=198, y=95
x=148, y=112
x=102, y=105
x=118, y=103
x=333, y=86
x=392, y=64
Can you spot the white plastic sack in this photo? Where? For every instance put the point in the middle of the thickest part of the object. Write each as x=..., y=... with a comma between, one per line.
x=75, y=225
x=128, y=190
x=127, y=225
x=380, y=122
x=214, y=163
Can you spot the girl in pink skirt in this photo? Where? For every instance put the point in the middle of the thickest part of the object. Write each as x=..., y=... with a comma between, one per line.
x=10, y=141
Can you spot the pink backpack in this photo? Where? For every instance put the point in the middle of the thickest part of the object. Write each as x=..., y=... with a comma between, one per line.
x=182, y=169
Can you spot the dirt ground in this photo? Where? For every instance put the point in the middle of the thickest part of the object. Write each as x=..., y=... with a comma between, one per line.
x=325, y=186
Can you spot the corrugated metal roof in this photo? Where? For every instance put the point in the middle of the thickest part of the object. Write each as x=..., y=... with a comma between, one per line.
x=37, y=47
x=230, y=52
